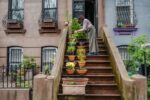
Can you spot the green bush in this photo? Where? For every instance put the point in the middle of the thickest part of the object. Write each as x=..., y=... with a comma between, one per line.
x=75, y=25
x=137, y=52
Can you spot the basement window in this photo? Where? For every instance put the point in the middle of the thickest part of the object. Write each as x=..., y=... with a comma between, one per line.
x=48, y=57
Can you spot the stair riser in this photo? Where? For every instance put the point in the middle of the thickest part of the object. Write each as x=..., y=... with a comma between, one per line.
x=88, y=98
x=98, y=64
x=98, y=71
x=103, y=98
x=93, y=58
x=98, y=58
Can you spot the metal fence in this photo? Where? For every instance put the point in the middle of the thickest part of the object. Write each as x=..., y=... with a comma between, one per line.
x=16, y=77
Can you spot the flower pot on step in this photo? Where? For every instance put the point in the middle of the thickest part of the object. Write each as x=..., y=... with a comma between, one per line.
x=74, y=85
x=82, y=63
x=81, y=71
x=70, y=72
x=71, y=57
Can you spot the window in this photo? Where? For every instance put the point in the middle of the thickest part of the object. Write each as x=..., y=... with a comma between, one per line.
x=50, y=9
x=48, y=57
x=123, y=49
x=125, y=12
x=16, y=9
x=78, y=8
x=15, y=57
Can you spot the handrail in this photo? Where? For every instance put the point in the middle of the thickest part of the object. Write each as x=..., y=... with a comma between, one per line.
x=58, y=65
x=126, y=84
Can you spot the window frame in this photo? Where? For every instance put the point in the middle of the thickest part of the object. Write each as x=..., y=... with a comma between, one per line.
x=10, y=11
x=44, y=9
x=132, y=19
x=45, y=47
x=8, y=55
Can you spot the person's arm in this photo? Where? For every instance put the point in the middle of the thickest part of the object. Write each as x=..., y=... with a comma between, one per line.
x=84, y=27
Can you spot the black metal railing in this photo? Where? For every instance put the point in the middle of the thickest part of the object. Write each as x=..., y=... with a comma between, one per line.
x=16, y=77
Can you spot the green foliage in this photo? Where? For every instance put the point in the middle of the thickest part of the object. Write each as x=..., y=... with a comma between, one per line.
x=137, y=51
x=81, y=35
x=46, y=70
x=71, y=49
x=75, y=25
x=148, y=89
x=28, y=62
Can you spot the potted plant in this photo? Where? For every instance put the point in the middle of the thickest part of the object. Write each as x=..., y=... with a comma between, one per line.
x=72, y=42
x=81, y=50
x=82, y=62
x=70, y=67
x=81, y=71
x=71, y=53
x=75, y=25
x=74, y=85
x=81, y=56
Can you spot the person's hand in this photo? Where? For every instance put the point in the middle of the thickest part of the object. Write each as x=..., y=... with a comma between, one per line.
x=75, y=31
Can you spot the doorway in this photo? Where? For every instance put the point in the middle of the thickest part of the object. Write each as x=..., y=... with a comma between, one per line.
x=88, y=8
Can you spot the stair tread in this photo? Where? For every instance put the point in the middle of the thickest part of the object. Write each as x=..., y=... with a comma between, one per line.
x=108, y=84
x=96, y=75
x=95, y=55
x=111, y=95
x=91, y=61
x=92, y=67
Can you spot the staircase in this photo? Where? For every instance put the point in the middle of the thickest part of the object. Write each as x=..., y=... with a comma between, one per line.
x=101, y=85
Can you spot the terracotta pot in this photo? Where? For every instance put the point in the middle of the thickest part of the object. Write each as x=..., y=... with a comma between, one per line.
x=70, y=72
x=81, y=71
x=82, y=64
x=71, y=57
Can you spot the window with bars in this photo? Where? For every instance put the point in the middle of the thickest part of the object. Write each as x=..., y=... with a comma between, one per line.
x=15, y=57
x=123, y=50
x=125, y=12
x=48, y=57
x=16, y=10
x=49, y=10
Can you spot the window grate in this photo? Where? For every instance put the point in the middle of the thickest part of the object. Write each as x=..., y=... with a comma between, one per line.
x=48, y=57
x=125, y=13
x=15, y=57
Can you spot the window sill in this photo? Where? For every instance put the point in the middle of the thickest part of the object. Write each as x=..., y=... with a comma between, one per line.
x=125, y=31
x=43, y=31
x=15, y=31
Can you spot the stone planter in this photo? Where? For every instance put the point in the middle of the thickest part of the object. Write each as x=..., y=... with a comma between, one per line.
x=74, y=85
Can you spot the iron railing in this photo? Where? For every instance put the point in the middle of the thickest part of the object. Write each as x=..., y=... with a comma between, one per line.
x=16, y=77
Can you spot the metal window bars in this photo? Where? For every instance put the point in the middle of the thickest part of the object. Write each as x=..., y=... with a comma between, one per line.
x=125, y=12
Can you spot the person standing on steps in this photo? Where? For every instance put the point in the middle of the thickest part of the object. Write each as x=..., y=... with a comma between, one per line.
x=91, y=32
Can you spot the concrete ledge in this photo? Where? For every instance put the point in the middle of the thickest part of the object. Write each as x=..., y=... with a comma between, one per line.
x=140, y=87
x=14, y=94
x=43, y=87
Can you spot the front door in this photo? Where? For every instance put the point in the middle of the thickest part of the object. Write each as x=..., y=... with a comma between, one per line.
x=88, y=8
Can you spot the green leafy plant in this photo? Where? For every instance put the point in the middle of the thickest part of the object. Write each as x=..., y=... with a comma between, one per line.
x=28, y=62
x=138, y=52
x=71, y=49
x=81, y=35
x=46, y=70
x=75, y=25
